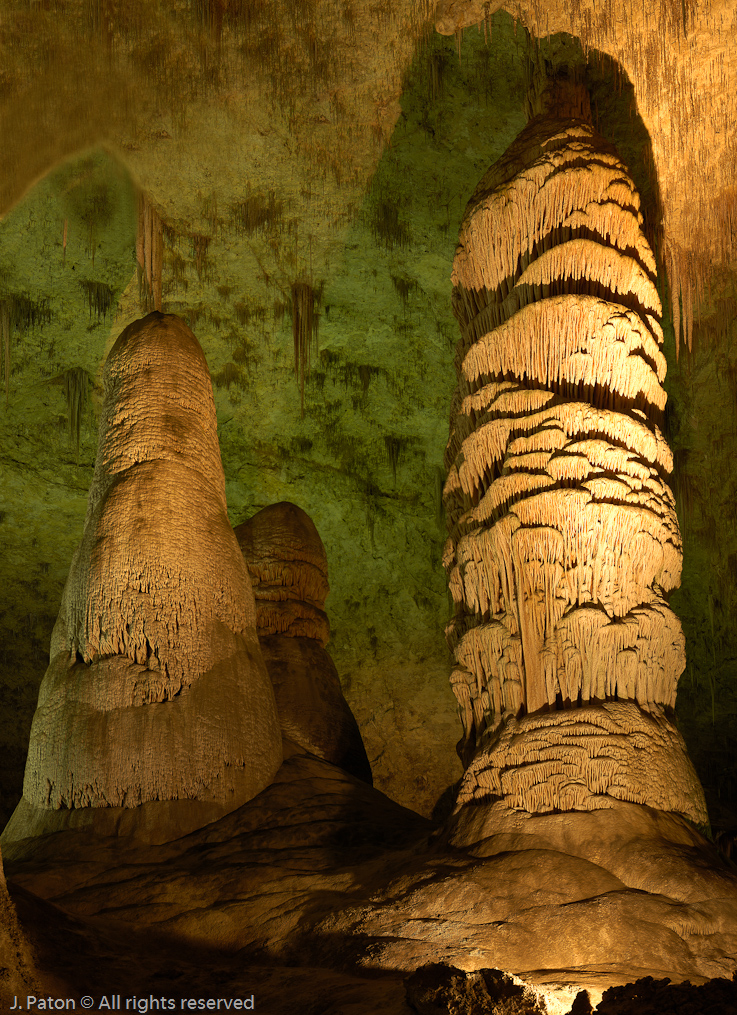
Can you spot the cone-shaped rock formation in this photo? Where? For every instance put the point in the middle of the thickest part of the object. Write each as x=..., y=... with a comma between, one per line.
x=156, y=688
x=289, y=570
x=564, y=540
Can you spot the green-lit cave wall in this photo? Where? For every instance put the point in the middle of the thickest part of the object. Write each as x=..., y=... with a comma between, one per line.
x=364, y=457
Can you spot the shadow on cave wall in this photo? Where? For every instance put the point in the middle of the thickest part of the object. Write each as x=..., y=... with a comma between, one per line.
x=67, y=252
x=700, y=420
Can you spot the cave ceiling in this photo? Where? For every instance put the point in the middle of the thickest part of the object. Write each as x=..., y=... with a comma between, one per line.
x=334, y=144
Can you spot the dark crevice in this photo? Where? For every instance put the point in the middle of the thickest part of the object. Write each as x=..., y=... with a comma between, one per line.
x=586, y=161
x=521, y=431
x=484, y=416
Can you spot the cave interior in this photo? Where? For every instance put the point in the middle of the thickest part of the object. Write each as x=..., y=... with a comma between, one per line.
x=289, y=179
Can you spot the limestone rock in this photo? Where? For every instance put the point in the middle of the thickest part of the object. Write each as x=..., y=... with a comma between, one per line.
x=648, y=996
x=289, y=571
x=322, y=871
x=156, y=690
x=17, y=973
x=585, y=759
x=437, y=989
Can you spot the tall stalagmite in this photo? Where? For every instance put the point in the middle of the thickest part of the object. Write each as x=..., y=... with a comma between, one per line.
x=564, y=541
x=156, y=688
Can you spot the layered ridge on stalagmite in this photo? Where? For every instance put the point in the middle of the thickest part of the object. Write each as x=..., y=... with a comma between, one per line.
x=289, y=572
x=564, y=540
x=156, y=688
x=288, y=566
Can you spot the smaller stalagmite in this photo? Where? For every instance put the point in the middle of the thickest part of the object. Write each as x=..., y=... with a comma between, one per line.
x=289, y=571
x=156, y=691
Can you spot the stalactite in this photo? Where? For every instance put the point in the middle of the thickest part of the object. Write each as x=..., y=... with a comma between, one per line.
x=149, y=255
x=304, y=332
x=5, y=333
x=200, y=246
x=563, y=531
x=684, y=284
x=99, y=297
x=75, y=391
x=18, y=313
x=394, y=449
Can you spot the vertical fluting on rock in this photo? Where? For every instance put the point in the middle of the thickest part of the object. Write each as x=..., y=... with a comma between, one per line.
x=156, y=688
x=304, y=332
x=563, y=534
x=149, y=254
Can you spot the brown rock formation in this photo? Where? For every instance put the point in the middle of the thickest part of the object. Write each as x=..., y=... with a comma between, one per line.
x=437, y=988
x=289, y=571
x=312, y=710
x=564, y=540
x=320, y=872
x=17, y=973
x=156, y=690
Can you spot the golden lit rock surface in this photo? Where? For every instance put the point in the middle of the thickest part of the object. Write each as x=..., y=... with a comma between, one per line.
x=563, y=533
x=234, y=117
x=160, y=87
x=156, y=690
x=323, y=873
x=585, y=759
x=681, y=61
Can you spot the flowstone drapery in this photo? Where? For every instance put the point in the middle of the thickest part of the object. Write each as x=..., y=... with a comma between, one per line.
x=156, y=722
x=564, y=540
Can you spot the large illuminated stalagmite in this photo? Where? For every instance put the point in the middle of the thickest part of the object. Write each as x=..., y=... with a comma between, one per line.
x=156, y=689
x=564, y=541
